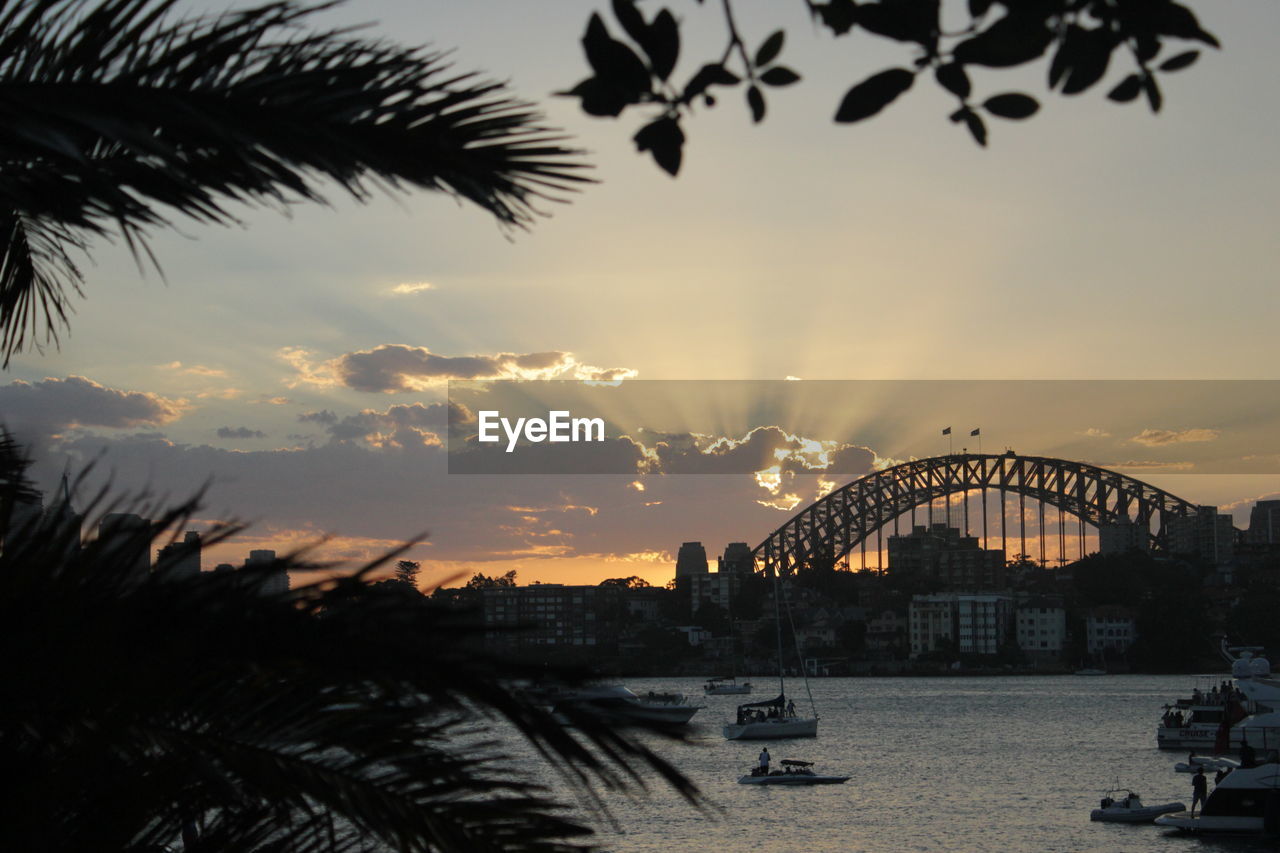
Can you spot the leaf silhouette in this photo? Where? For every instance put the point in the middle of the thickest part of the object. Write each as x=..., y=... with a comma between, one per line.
x=769, y=49
x=1014, y=105
x=664, y=139
x=873, y=94
x=755, y=100
x=779, y=75
x=1128, y=89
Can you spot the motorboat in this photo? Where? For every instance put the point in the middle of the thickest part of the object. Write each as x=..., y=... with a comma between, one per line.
x=1206, y=762
x=671, y=709
x=1247, y=800
x=793, y=772
x=726, y=685
x=1121, y=805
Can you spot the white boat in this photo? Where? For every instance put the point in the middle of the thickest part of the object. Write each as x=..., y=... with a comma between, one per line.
x=672, y=709
x=1218, y=717
x=775, y=718
x=726, y=685
x=1206, y=762
x=771, y=723
x=793, y=773
x=1246, y=800
x=1121, y=805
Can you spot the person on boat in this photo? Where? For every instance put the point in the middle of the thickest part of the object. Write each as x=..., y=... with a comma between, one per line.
x=764, y=761
x=1247, y=756
x=791, y=707
x=1199, y=790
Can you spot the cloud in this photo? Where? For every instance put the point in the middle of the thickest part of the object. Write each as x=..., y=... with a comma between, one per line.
x=1094, y=432
x=411, y=287
x=1162, y=437
x=195, y=370
x=52, y=405
x=1149, y=465
x=308, y=373
x=240, y=432
x=414, y=425
x=324, y=416
x=396, y=368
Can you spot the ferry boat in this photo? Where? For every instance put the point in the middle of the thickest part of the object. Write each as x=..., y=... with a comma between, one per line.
x=1220, y=717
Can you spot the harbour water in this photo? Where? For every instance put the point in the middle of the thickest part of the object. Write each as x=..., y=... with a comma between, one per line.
x=938, y=764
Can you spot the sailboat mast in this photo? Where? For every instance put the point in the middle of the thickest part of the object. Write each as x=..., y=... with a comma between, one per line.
x=777, y=621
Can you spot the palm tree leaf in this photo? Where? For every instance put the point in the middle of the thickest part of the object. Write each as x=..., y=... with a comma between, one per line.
x=336, y=717
x=111, y=115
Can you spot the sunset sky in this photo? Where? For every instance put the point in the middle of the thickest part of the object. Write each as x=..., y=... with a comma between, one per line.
x=301, y=364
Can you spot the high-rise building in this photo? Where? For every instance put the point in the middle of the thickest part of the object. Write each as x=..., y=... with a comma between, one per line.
x=737, y=558
x=940, y=554
x=125, y=543
x=1264, y=524
x=270, y=577
x=691, y=560
x=180, y=559
x=1122, y=537
x=1206, y=533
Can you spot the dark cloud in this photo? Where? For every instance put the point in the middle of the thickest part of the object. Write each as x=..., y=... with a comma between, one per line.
x=413, y=425
x=395, y=367
x=324, y=416
x=240, y=432
x=37, y=410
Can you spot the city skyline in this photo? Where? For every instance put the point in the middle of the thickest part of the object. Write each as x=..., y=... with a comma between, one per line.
x=292, y=361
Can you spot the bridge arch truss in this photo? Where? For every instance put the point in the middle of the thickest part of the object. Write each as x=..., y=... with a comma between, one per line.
x=845, y=519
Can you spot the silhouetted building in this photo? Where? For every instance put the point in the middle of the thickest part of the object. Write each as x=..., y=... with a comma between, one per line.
x=270, y=577
x=1206, y=533
x=1264, y=524
x=180, y=559
x=717, y=588
x=950, y=561
x=551, y=614
x=737, y=558
x=125, y=543
x=691, y=560
x=1122, y=537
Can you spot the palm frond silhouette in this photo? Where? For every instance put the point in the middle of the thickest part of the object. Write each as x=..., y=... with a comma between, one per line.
x=140, y=713
x=116, y=117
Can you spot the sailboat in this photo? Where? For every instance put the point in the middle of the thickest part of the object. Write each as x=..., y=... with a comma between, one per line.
x=774, y=718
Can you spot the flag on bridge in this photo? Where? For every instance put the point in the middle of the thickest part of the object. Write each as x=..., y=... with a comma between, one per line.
x=947, y=431
x=976, y=432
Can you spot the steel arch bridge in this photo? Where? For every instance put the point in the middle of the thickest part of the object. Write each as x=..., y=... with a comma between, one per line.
x=833, y=526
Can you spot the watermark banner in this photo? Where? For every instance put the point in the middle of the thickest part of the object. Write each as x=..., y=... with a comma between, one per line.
x=841, y=429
